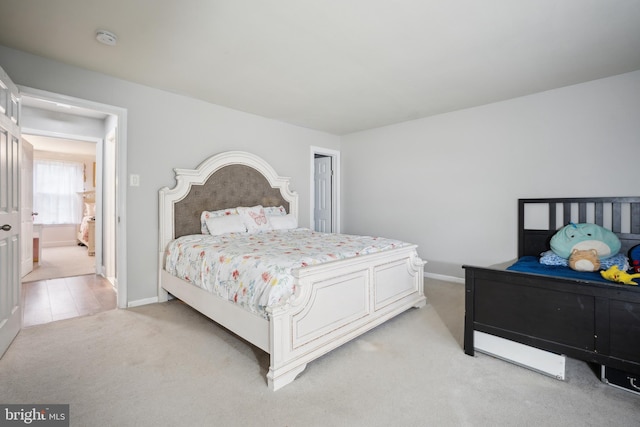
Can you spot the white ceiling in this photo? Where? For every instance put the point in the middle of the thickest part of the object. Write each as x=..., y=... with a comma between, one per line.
x=337, y=65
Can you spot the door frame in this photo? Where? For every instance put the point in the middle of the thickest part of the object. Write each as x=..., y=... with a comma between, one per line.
x=121, y=175
x=335, y=186
x=26, y=225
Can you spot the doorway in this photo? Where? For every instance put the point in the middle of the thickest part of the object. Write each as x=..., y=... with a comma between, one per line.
x=58, y=204
x=325, y=187
x=59, y=117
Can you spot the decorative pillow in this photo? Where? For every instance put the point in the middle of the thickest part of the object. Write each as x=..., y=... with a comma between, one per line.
x=275, y=211
x=89, y=209
x=283, y=222
x=214, y=214
x=551, y=258
x=254, y=219
x=584, y=260
x=225, y=224
x=585, y=236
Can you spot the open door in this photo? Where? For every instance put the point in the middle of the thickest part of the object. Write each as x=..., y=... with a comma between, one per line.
x=26, y=209
x=10, y=152
x=323, y=206
x=325, y=190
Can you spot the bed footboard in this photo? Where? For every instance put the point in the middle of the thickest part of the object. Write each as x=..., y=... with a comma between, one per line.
x=337, y=302
x=589, y=321
x=334, y=303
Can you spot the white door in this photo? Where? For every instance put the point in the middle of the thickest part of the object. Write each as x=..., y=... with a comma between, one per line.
x=26, y=209
x=10, y=309
x=322, y=198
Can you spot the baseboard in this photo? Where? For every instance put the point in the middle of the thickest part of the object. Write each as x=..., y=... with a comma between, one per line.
x=113, y=281
x=444, y=277
x=140, y=302
x=59, y=243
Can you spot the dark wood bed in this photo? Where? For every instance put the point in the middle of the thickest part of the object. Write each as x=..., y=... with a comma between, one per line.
x=585, y=320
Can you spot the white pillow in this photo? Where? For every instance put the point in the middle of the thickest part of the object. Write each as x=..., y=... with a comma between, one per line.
x=214, y=214
x=284, y=222
x=254, y=219
x=225, y=224
x=275, y=210
x=89, y=209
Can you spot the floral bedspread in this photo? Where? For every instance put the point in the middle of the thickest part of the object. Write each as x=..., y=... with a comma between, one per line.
x=84, y=228
x=254, y=270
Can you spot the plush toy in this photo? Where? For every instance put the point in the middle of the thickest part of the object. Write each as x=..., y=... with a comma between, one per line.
x=634, y=258
x=614, y=274
x=584, y=260
x=585, y=236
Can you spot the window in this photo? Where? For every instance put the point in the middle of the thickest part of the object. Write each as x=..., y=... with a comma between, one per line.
x=56, y=184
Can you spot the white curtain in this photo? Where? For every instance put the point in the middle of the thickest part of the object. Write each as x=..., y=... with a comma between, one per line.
x=56, y=188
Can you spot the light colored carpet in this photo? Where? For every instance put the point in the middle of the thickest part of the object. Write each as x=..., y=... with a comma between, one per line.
x=62, y=261
x=166, y=365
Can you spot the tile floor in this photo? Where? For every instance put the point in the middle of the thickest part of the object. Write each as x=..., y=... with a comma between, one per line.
x=56, y=299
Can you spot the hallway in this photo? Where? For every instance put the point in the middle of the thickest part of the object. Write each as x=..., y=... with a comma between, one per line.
x=49, y=300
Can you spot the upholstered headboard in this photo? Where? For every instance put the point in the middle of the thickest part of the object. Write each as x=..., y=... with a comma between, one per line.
x=226, y=180
x=228, y=187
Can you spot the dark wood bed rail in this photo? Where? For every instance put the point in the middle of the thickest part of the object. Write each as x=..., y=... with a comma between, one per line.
x=590, y=321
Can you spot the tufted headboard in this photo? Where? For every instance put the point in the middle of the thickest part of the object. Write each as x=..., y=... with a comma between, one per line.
x=226, y=180
x=228, y=187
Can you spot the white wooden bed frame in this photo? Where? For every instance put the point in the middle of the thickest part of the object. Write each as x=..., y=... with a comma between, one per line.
x=334, y=303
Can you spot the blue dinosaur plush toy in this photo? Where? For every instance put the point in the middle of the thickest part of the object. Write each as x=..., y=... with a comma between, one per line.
x=583, y=237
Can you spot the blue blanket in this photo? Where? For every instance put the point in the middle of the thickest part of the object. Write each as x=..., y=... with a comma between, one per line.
x=531, y=264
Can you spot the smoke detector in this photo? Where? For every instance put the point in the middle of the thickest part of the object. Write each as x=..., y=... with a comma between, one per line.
x=106, y=37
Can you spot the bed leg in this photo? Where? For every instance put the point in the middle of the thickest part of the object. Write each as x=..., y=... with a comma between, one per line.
x=469, y=345
x=420, y=303
x=469, y=287
x=277, y=381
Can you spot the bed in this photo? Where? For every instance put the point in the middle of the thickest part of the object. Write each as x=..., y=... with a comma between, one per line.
x=332, y=302
x=583, y=317
x=86, y=233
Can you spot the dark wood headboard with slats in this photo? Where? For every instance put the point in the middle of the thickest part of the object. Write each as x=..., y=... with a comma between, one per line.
x=618, y=214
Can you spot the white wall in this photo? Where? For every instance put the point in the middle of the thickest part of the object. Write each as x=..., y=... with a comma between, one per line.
x=450, y=183
x=165, y=131
x=54, y=236
x=59, y=123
